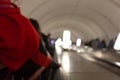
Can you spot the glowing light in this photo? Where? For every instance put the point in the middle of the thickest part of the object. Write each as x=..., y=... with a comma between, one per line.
x=66, y=35
x=117, y=43
x=78, y=42
x=66, y=62
x=117, y=63
x=81, y=50
x=58, y=50
x=58, y=42
x=66, y=39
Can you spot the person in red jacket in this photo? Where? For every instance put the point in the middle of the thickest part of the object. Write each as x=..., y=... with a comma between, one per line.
x=19, y=41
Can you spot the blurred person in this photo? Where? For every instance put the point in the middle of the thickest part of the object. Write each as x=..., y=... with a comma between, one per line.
x=102, y=44
x=44, y=48
x=111, y=44
x=45, y=39
x=19, y=43
x=48, y=46
x=95, y=43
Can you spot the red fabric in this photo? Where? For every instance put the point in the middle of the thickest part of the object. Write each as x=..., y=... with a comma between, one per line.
x=19, y=41
x=37, y=57
x=5, y=0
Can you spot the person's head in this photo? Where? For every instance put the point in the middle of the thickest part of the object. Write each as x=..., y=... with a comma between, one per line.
x=49, y=34
x=35, y=24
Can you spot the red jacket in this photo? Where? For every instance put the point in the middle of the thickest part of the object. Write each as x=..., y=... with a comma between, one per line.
x=19, y=41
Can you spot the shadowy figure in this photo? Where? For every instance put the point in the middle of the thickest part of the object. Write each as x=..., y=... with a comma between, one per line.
x=45, y=48
x=102, y=44
x=111, y=44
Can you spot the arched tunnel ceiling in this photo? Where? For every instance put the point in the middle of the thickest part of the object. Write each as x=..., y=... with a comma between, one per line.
x=87, y=19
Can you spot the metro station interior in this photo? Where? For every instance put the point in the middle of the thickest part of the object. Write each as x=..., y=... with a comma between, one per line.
x=88, y=22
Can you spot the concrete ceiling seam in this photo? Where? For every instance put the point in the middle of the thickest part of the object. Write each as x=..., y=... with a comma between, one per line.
x=38, y=6
x=116, y=2
x=58, y=33
x=98, y=16
x=105, y=17
x=53, y=11
x=91, y=33
x=59, y=16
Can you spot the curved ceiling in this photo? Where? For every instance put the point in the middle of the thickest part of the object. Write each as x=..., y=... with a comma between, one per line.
x=87, y=19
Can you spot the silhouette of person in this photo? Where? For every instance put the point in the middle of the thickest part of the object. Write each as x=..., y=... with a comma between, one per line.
x=44, y=48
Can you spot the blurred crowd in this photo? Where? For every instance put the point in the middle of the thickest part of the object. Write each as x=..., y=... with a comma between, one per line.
x=101, y=44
